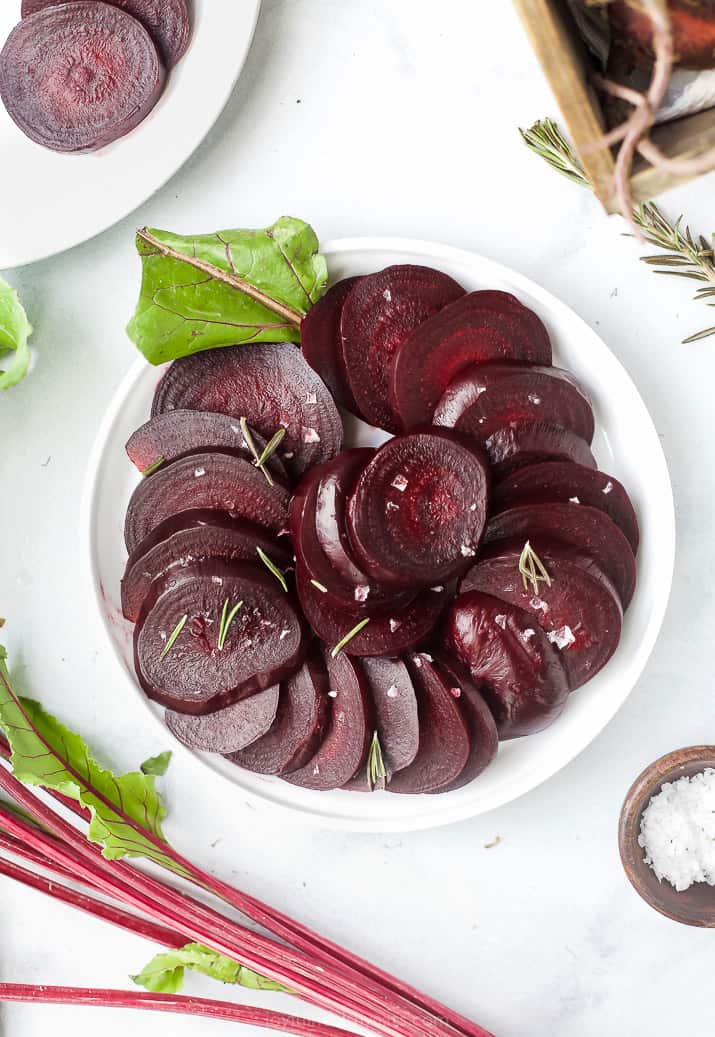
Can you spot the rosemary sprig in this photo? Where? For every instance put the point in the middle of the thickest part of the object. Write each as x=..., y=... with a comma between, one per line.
x=171, y=641
x=349, y=636
x=685, y=254
x=532, y=569
x=227, y=619
x=376, y=772
x=271, y=446
x=251, y=444
x=272, y=568
x=320, y=587
x=154, y=466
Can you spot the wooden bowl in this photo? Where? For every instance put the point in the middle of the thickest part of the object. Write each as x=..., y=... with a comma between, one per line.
x=696, y=905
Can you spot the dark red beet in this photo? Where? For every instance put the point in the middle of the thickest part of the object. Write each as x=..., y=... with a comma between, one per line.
x=230, y=729
x=519, y=673
x=575, y=525
x=483, y=736
x=444, y=747
x=528, y=443
x=269, y=384
x=336, y=483
x=344, y=747
x=478, y=328
x=180, y=432
x=417, y=513
x=322, y=345
x=486, y=398
x=166, y=21
x=580, y=612
x=378, y=315
x=563, y=481
x=266, y=640
x=395, y=715
x=217, y=481
x=692, y=24
x=189, y=537
x=80, y=75
x=300, y=723
x=385, y=634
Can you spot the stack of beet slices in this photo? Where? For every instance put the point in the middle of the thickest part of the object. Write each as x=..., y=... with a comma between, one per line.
x=76, y=75
x=362, y=618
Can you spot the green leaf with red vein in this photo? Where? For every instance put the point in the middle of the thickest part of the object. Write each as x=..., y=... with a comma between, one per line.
x=164, y=974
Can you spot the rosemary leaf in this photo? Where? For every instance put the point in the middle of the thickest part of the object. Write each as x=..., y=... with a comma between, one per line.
x=227, y=619
x=706, y=333
x=349, y=636
x=532, y=569
x=154, y=466
x=376, y=771
x=272, y=568
x=251, y=444
x=271, y=447
x=320, y=586
x=173, y=636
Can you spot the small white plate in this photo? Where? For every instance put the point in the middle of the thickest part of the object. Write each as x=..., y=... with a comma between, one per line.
x=62, y=200
x=626, y=445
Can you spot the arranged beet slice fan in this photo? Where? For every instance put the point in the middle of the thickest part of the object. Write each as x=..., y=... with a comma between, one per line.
x=218, y=481
x=486, y=398
x=579, y=608
x=477, y=328
x=190, y=658
x=227, y=730
x=270, y=385
x=77, y=76
x=526, y=443
x=417, y=513
x=299, y=726
x=563, y=481
x=322, y=344
x=575, y=525
x=395, y=717
x=377, y=316
x=518, y=671
x=194, y=536
x=483, y=735
x=176, y=433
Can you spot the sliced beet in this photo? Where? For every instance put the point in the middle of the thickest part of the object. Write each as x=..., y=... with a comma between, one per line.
x=575, y=525
x=395, y=716
x=79, y=75
x=193, y=536
x=580, y=612
x=265, y=643
x=218, y=481
x=300, y=723
x=483, y=735
x=377, y=316
x=337, y=480
x=563, y=481
x=269, y=384
x=478, y=328
x=417, y=512
x=518, y=671
x=230, y=729
x=166, y=21
x=528, y=443
x=322, y=345
x=444, y=747
x=169, y=436
x=344, y=747
x=385, y=634
x=483, y=399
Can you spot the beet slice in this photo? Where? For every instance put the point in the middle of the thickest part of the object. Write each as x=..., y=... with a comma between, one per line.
x=395, y=716
x=322, y=345
x=563, y=481
x=385, y=634
x=417, y=513
x=527, y=443
x=80, y=75
x=193, y=536
x=166, y=21
x=266, y=640
x=575, y=525
x=483, y=735
x=345, y=745
x=300, y=723
x=483, y=399
x=478, y=328
x=269, y=384
x=518, y=671
x=336, y=482
x=217, y=481
x=177, y=433
x=377, y=316
x=444, y=747
x=230, y=729
x=580, y=612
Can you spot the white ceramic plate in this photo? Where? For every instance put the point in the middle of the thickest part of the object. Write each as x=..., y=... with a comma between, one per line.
x=626, y=445
x=61, y=200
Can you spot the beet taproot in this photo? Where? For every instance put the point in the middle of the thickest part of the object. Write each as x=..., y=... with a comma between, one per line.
x=78, y=76
x=322, y=344
x=394, y=705
x=227, y=730
x=527, y=443
x=483, y=735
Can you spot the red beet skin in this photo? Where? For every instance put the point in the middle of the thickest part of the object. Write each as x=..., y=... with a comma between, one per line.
x=518, y=671
x=417, y=512
x=483, y=736
x=476, y=329
x=322, y=345
x=77, y=76
x=166, y=21
x=265, y=644
x=227, y=730
x=527, y=443
x=377, y=316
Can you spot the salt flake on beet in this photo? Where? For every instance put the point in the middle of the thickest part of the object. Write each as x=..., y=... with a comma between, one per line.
x=310, y=435
x=399, y=483
x=361, y=592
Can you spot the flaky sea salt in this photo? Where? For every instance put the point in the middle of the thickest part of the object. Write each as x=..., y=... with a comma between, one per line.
x=361, y=592
x=392, y=691
x=562, y=638
x=400, y=483
x=608, y=487
x=395, y=624
x=678, y=831
x=310, y=435
x=500, y=621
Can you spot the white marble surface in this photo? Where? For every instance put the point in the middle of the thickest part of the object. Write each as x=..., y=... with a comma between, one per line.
x=381, y=118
